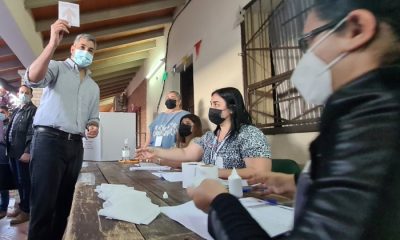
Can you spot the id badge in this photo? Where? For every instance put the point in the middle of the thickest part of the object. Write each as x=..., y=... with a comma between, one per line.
x=158, y=141
x=219, y=162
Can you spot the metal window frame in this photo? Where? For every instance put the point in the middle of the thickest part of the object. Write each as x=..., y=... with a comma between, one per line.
x=308, y=116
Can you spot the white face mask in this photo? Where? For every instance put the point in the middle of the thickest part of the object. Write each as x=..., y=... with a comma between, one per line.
x=312, y=76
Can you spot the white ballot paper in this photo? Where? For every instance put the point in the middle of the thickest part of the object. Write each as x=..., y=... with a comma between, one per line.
x=189, y=216
x=69, y=12
x=275, y=220
x=169, y=176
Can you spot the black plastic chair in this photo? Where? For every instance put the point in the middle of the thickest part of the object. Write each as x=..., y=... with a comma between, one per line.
x=285, y=166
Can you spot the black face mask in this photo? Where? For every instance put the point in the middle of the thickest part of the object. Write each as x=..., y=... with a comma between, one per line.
x=170, y=103
x=214, y=115
x=185, y=130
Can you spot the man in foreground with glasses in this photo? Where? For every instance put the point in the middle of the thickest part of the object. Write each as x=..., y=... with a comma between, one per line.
x=352, y=188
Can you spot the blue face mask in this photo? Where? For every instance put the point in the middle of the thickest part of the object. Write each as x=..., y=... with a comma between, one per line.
x=2, y=116
x=82, y=58
x=24, y=98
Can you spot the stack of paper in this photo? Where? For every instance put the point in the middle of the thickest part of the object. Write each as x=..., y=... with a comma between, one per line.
x=126, y=204
x=149, y=167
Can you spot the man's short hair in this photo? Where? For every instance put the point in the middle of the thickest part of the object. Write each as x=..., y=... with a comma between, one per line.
x=86, y=36
x=31, y=89
x=4, y=107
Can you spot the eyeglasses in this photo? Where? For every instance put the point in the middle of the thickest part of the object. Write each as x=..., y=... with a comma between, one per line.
x=305, y=39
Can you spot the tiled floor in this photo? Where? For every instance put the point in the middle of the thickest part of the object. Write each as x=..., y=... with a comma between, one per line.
x=16, y=232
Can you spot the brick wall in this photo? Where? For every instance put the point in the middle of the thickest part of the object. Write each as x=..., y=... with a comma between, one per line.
x=138, y=99
x=37, y=94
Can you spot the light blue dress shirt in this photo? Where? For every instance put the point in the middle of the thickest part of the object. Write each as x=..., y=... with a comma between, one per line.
x=67, y=103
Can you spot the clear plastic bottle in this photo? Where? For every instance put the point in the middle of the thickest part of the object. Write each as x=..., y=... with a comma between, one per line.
x=126, y=151
x=235, y=184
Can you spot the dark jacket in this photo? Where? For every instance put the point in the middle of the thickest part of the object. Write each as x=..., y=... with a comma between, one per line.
x=22, y=131
x=354, y=192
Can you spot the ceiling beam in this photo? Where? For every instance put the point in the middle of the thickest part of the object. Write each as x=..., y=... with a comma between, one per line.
x=113, y=91
x=116, y=68
x=125, y=11
x=114, y=83
x=8, y=57
x=14, y=80
x=115, y=79
x=130, y=72
x=119, y=60
x=110, y=94
x=122, y=31
x=43, y=3
x=116, y=44
x=119, y=85
x=11, y=69
x=135, y=48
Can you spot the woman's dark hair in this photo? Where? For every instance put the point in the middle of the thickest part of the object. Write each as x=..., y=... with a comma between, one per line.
x=234, y=102
x=384, y=10
x=196, y=132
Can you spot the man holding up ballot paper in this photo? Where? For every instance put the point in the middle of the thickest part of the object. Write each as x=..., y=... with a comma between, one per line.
x=68, y=111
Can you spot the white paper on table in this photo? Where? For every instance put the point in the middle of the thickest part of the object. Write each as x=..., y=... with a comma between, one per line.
x=189, y=216
x=170, y=176
x=69, y=12
x=274, y=219
x=128, y=205
x=105, y=190
x=149, y=167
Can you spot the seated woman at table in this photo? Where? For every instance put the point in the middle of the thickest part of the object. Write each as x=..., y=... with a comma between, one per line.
x=234, y=143
x=189, y=129
x=352, y=187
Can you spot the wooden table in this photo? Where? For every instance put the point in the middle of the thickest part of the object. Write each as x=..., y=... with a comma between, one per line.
x=84, y=222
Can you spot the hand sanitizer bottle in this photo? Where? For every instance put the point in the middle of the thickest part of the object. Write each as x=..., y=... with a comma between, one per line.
x=126, y=151
x=235, y=184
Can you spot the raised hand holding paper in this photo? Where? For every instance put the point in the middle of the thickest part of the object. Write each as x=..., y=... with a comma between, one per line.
x=69, y=12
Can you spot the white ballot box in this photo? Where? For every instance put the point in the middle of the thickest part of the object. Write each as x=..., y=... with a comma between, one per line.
x=115, y=127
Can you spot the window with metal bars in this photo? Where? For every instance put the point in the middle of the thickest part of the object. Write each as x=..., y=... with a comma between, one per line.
x=270, y=31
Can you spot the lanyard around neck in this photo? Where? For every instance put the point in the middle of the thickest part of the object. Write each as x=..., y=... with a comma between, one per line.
x=217, y=146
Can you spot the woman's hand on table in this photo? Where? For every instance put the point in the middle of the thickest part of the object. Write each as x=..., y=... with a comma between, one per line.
x=145, y=154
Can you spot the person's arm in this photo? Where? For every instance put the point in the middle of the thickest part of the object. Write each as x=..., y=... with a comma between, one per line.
x=255, y=151
x=29, y=134
x=93, y=122
x=227, y=218
x=191, y=153
x=253, y=167
x=26, y=157
x=38, y=69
